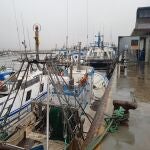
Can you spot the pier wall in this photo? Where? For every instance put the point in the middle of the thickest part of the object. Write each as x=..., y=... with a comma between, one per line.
x=105, y=107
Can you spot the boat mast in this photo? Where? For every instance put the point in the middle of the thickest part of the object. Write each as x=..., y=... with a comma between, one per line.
x=79, y=56
x=24, y=41
x=37, y=28
x=17, y=28
x=67, y=27
x=99, y=39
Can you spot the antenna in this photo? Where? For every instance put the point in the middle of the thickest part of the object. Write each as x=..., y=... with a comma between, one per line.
x=14, y=9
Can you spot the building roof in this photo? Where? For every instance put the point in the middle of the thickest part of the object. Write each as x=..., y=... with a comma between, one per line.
x=141, y=32
x=142, y=26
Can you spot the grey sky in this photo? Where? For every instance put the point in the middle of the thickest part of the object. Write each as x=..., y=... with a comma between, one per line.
x=111, y=17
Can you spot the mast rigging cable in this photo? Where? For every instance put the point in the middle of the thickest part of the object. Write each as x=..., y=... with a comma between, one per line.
x=13, y=3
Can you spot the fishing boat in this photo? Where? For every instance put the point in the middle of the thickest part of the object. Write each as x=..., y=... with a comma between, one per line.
x=18, y=90
x=68, y=103
x=17, y=93
x=73, y=53
x=70, y=93
x=100, y=56
x=5, y=72
x=58, y=88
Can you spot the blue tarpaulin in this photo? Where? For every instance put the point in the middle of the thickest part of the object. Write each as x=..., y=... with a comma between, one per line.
x=5, y=74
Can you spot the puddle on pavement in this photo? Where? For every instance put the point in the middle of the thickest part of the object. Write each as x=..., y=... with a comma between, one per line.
x=135, y=136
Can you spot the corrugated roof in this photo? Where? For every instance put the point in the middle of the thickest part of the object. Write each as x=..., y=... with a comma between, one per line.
x=141, y=32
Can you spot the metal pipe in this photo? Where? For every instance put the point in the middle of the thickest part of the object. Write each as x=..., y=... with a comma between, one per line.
x=79, y=56
x=47, y=129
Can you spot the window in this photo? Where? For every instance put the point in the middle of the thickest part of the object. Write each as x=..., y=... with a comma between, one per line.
x=95, y=54
x=41, y=87
x=134, y=43
x=28, y=95
x=105, y=55
x=148, y=33
x=144, y=14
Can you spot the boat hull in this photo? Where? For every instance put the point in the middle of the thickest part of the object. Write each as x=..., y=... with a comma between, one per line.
x=99, y=63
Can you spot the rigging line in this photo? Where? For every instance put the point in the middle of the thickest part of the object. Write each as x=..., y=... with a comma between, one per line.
x=111, y=37
x=55, y=70
x=23, y=32
x=59, y=98
x=67, y=30
x=29, y=39
x=48, y=111
x=67, y=24
x=18, y=35
x=11, y=106
x=75, y=99
x=87, y=19
x=24, y=88
x=18, y=73
x=24, y=41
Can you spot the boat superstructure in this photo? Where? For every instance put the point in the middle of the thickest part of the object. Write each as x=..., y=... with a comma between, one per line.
x=100, y=56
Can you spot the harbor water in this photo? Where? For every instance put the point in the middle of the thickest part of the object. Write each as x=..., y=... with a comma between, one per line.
x=9, y=61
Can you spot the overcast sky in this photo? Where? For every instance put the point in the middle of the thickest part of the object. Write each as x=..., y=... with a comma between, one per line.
x=111, y=17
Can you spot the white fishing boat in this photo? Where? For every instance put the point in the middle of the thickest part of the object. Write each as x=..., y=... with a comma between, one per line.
x=100, y=56
x=80, y=86
x=65, y=92
x=17, y=93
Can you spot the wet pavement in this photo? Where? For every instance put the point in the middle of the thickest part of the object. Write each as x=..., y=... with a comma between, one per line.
x=135, y=135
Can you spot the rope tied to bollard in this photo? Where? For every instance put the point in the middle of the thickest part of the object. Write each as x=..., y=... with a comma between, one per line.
x=111, y=125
